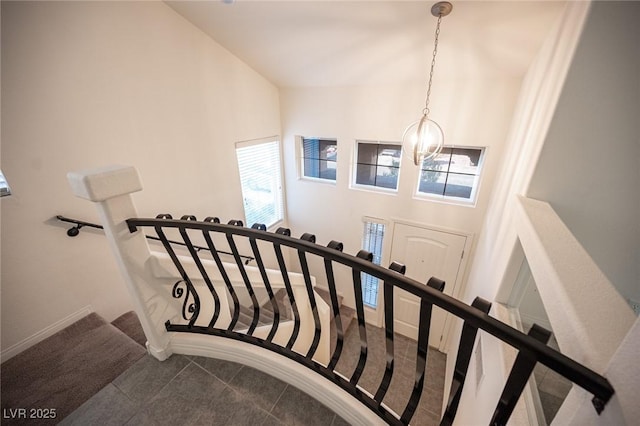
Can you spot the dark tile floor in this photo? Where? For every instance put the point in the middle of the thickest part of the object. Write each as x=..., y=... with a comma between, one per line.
x=195, y=390
x=552, y=387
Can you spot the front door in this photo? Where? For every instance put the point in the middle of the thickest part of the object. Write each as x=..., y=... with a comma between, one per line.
x=426, y=253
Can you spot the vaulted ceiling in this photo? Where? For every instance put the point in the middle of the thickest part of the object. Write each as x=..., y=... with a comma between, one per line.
x=346, y=43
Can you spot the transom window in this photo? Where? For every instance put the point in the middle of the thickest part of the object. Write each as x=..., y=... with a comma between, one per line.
x=452, y=174
x=378, y=164
x=319, y=158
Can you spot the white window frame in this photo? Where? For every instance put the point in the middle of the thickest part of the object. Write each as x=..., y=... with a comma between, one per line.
x=448, y=199
x=377, y=257
x=274, y=177
x=301, y=170
x=354, y=168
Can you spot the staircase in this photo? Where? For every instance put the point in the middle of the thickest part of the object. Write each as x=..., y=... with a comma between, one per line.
x=48, y=381
x=81, y=376
x=187, y=299
x=245, y=318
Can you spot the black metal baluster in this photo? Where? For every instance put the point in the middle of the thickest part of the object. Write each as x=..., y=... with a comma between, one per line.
x=287, y=284
x=388, y=331
x=357, y=288
x=223, y=272
x=467, y=340
x=245, y=278
x=267, y=284
x=423, y=347
x=193, y=308
x=518, y=378
x=337, y=320
x=312, y=298
x=475, y=317
x=203, y=272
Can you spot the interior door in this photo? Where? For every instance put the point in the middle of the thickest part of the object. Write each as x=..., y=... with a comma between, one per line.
x=426, y=253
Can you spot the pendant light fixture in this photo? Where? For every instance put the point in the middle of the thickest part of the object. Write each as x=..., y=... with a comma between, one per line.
x=424, y=139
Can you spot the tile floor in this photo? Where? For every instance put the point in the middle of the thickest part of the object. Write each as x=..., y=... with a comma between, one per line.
x=195, y=390
x=552, y=387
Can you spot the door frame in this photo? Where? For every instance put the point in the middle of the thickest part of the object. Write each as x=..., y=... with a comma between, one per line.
x=376, y=316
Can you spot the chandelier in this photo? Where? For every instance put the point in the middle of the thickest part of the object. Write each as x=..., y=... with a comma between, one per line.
x=424, y=138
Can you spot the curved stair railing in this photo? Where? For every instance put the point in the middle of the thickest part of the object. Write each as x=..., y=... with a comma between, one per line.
x=188, y=299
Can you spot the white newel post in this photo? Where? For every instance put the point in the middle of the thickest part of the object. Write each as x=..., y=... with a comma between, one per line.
x=111, y=188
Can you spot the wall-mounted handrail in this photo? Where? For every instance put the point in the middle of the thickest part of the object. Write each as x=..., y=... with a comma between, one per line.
x=79, y=224
x=475, y=318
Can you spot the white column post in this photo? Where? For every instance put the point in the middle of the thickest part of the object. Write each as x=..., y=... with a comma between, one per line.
x=111, y=188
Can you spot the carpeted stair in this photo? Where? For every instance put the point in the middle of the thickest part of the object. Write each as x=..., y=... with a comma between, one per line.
x=245, y=318
x=66, y=369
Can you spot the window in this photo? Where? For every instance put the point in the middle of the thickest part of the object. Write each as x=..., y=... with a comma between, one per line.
x=378, y=164
x=372, y=242
x=454, y=173
x=4, y=186
x=261, y=181
x=319, y=158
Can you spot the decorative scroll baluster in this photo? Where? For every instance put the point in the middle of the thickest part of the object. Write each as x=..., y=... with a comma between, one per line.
x=203, y=272
x=223, y=272
x=388, y=331
x=518, y=378
x=312, y=298
x=421, y=359
x=265, y=280
x=331, y=282
x=357, y=287
x=245, y=278
x=467, y=340
x=193, y=308
x=287, y=284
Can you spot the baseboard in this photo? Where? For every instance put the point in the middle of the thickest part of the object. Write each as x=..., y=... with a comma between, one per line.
x=44, y=333
x=318, y=387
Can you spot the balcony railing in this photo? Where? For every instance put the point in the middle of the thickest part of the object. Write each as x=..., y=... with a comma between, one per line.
x=204, y=294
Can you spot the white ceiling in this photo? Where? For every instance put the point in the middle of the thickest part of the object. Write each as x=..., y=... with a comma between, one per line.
x=346, y=43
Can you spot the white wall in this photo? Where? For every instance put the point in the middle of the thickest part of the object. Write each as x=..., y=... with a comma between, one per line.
x=87, y=84
x=588, y=169
x=592, y=96
x=472, y=113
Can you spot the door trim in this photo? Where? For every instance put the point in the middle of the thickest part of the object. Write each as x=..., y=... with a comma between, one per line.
x=461, y=277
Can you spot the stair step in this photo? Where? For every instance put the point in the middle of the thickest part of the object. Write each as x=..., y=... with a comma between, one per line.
x=130, y=325
x=66, y=369
x=266, y=311
x=347, y=315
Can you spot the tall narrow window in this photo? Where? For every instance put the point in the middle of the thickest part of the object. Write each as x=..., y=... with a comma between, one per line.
x=319, y=157
x=261, y=181
x=372, y=242
x=377, y=164
x=452, y=174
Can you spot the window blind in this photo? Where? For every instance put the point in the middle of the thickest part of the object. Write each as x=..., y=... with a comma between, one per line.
x=261, y=181
x=372, y=241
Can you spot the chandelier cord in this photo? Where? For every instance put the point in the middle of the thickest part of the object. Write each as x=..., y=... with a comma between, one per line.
x=433, y=64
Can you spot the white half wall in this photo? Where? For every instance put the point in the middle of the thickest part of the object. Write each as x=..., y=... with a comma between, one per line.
x=499, y=256
x=609, y=27
x=86, y=84
x=588, y=169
